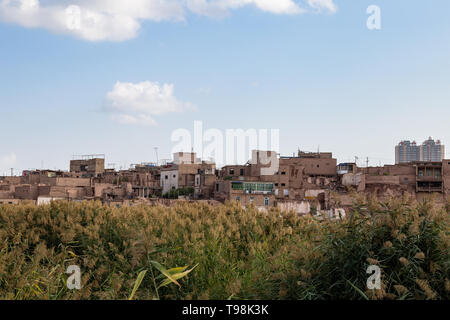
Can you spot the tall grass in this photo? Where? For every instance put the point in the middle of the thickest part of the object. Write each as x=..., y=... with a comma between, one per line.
x=238, y=253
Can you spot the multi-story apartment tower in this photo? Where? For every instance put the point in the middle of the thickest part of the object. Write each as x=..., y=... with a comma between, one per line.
x=432, y=151
x=406, y=152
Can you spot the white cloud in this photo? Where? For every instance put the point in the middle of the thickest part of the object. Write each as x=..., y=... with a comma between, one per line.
x=221, y=7
x=119, y=20
x=323, y=5
x=93, y=20
x=138, y=103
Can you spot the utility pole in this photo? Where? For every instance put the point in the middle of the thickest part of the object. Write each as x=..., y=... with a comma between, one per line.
x=12, y=172
x=367, y=165
x=157, y=158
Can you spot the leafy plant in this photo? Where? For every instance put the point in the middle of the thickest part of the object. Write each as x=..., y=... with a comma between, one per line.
x=171, y=275
x=137, y=283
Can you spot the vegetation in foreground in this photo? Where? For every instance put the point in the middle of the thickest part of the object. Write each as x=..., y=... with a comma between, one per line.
x=230, y=252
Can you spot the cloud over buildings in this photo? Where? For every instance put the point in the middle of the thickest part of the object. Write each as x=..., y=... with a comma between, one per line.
x=139, y=103
x=118, y=20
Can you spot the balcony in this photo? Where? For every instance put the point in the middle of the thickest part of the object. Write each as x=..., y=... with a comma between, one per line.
x=429, y=178
x=429, y=189
x=252, y=188
x=430, y=173
x=429, y=186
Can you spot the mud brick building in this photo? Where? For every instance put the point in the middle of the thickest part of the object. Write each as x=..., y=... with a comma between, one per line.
x=188, y=171
x=88, y=166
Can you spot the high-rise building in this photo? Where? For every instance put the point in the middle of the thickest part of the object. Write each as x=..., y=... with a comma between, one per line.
x=432, y=151
x=406, y=152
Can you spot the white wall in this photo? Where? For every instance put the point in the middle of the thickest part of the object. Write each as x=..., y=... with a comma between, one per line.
x=171, y=181
x=46, y=200
x=301, y=208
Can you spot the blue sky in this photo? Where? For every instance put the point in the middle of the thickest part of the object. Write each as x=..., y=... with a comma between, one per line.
x=319, y=75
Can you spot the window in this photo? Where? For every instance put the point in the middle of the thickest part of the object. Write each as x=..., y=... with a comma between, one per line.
x=276, y=184
x=283, y=184
x=242, y=172
x=217, y=187
x=167, y=177
x=260, y=187
x=237, y=186
x=266, y=202
x=231, y=171
x=252, y=187
x=283, y=173
x=174, y=175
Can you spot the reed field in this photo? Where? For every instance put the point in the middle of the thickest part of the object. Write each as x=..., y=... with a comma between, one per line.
x=199, y=251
